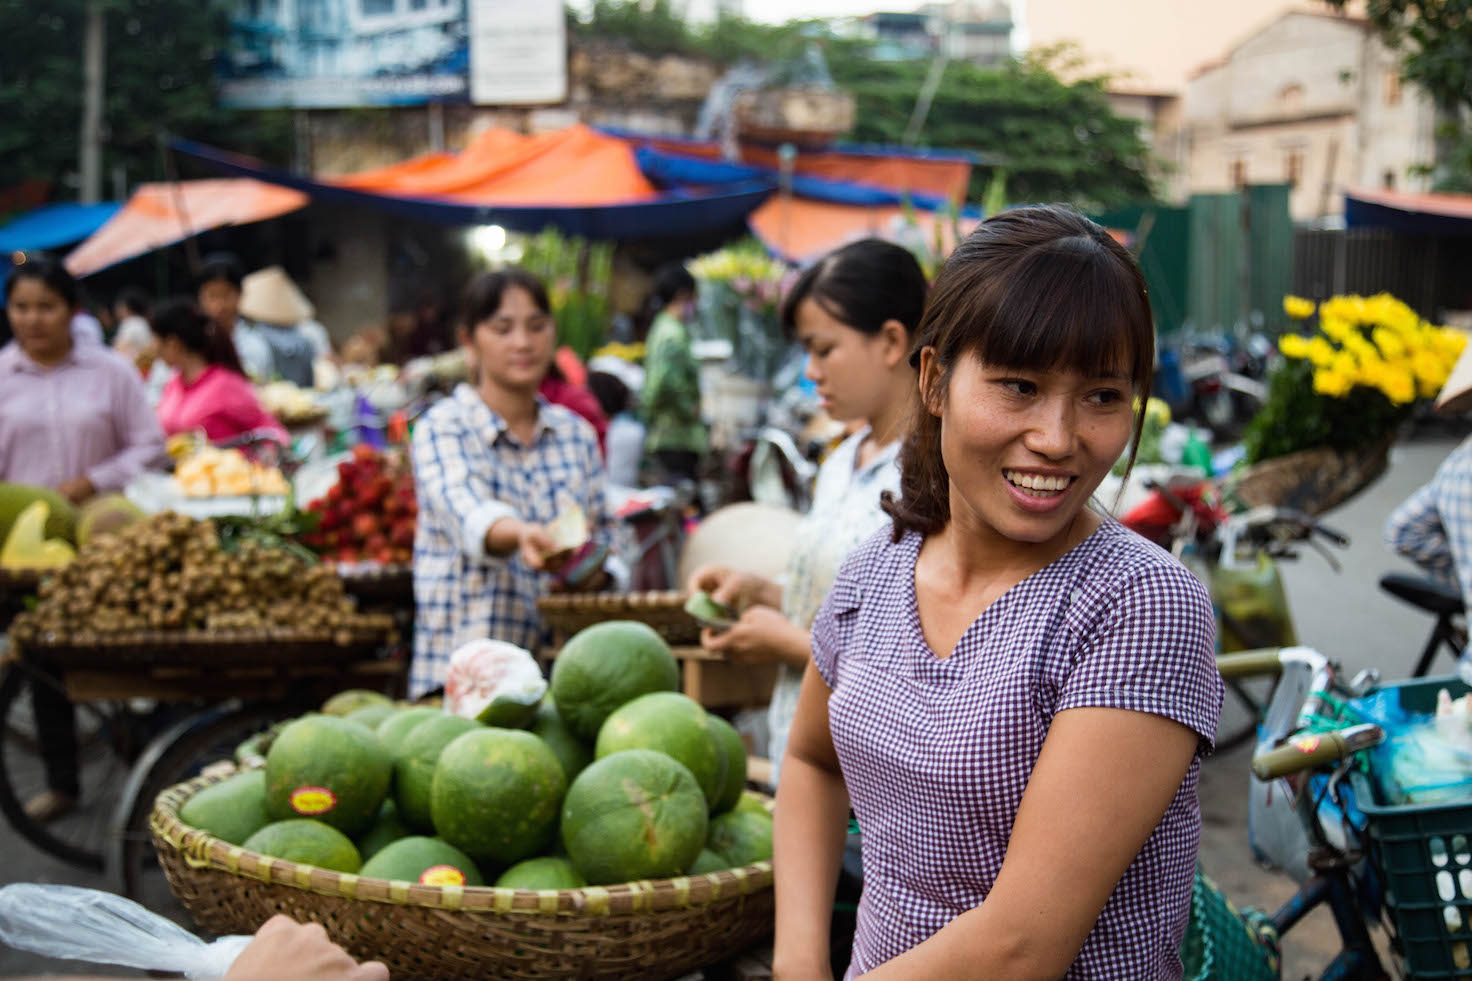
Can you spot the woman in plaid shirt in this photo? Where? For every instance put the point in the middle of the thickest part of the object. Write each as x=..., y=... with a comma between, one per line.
x=494, y=464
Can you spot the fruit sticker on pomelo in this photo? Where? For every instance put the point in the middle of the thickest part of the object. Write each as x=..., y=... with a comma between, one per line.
x=494, y=682
x=312, y=801
x=442, y=875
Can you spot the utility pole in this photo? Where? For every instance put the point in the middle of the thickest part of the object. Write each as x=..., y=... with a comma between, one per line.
x=89, y=190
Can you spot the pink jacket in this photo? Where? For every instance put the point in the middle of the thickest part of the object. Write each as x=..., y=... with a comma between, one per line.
x=221, y=402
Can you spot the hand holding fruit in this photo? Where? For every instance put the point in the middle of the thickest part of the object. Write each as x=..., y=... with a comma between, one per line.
x=538, y=549
x=284, y=950
x=734, y=588
x=77, y=490
x=762, y=636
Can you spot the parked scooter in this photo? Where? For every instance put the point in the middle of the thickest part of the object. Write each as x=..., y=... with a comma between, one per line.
x=1215, y=379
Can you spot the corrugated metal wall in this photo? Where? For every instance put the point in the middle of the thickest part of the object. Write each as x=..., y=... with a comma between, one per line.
x=1433, y=275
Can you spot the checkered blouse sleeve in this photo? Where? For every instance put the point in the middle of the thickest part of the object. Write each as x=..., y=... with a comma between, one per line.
x=833, y=627
x=1152, y=649
x=1415, y=529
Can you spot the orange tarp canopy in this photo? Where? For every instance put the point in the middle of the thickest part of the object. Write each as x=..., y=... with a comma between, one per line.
x=162, y=214
x=802, y=230
x=577, y=166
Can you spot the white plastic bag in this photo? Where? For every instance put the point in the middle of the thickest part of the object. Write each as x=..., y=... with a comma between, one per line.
x=90, y=925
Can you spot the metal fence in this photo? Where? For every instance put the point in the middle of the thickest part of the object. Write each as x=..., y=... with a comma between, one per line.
x=1432, y=274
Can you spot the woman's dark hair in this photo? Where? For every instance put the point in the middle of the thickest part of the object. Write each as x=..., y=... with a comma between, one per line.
x=484, y=293
x=1039, y=288
x=612, y=394
x=862, y=285
x=49, y=270
x=182, y=319
x=221, y=266
x=670, y=280
x=133, y=300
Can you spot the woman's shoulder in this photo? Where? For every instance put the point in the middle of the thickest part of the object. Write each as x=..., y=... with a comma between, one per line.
x=877, y=560
x=1116, y=561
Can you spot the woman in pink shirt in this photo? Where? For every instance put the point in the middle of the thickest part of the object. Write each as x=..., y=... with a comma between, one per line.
x=209, y=391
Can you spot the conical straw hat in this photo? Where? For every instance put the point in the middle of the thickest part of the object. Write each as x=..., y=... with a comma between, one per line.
x=1456, y=395
x=269, y=296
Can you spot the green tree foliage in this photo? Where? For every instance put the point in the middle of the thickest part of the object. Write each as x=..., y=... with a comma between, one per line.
x=159, y=80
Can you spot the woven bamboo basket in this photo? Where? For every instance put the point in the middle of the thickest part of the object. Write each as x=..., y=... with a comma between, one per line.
x=646, y=930
x=1312, y=481
x=664, y=610
x=214, y=648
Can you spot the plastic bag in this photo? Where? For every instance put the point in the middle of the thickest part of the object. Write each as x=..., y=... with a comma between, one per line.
x=1425, y=759
x=91, y=925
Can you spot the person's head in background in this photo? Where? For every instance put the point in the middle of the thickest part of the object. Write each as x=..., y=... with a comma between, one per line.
x=612, y=394
x=672, y=289
x=855, y=312
x=130, y=302
x=218, y=289
x=40, y=299
x=189, y=341
x=507, y=331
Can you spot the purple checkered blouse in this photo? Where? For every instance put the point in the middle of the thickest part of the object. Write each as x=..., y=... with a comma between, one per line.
x=937, y=752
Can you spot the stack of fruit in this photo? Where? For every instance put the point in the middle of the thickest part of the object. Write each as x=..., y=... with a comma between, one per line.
x=617, y=778
x=170, y=572
x=213, y=472
x=369, y=514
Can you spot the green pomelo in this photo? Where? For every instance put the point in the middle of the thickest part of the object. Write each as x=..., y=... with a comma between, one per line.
x=546, y=872
x=674, y=724
x=392, y=730
x=414, y=766
x=606, y=665
x=740, y=838
x=231, y=810
x=370, y=717
x=61, y=520
x=571, y=752
x=752, y=803
x=735, y=752
x=428, y=861
x=496, y=795
x=105, y=515
x=345, y=702
x=306, y=841
x=702, y=607
x=707, y=861
x=633, y=815
x=329, y=769
x=387, y=828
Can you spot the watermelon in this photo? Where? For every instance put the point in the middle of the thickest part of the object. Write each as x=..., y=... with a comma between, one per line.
x=735, y=752
x=427, y=861
x=636, y=814
x=740, y=838
x=545, y=872
x=670, y=723
x=308, y=842
x=606, y=665
x=496, y=794
x=329, y=769
x=414, y=766
x=231, y=810
x=572, y=752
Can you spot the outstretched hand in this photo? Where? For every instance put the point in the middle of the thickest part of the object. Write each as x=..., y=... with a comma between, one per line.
x=285, y=950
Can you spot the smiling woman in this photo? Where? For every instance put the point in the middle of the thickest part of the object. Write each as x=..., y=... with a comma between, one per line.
x=1013, y=691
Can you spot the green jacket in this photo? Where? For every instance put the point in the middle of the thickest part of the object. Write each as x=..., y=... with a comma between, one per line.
x=671, y=395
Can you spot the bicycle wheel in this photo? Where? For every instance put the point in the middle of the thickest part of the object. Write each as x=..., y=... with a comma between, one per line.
x=178, y=754
x=108, y=737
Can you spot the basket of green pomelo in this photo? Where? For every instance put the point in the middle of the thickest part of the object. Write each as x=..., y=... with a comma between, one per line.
x=596, y=828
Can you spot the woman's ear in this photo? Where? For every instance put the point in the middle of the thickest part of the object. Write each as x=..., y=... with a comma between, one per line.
x=463, y=338
x=896, y=341
x=930, y=382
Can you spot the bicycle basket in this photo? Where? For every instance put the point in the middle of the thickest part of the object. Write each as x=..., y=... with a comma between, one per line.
x=1222, y=944
x=1424, y=854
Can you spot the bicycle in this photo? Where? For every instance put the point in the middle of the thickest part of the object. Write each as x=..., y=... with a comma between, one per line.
x=1442, y=601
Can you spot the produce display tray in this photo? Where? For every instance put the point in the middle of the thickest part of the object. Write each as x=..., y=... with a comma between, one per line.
x=218, y=649
x=664, y=610
x=646, y=930
x=378, y=585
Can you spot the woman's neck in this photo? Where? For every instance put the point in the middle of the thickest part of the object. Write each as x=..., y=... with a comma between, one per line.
x=891, y=421
x=978, y=552
x=52, y=358
x=517, y=407
x=191, y=368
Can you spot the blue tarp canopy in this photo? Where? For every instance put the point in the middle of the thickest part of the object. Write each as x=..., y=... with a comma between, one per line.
x=55, y=225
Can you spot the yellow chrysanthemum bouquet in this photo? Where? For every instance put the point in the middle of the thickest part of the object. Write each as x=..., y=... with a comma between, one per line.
x=1353, y=378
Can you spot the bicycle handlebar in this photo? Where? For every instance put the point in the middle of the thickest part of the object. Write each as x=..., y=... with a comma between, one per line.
x=1311, y=750
x=1250, y=664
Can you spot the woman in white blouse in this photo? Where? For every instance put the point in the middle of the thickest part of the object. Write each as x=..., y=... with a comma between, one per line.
x=853, y=312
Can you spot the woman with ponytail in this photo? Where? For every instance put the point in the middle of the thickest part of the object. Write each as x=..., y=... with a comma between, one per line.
x=1012, y=691
x=209, y=391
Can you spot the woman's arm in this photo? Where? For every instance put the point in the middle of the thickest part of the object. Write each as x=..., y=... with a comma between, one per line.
x=1415, y=530
x=139, y=437
x=808, y=837
x=483, y=527
x=1103, y=781
x=762, y=636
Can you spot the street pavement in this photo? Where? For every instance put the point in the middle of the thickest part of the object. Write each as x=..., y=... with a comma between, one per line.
x=1343, y=614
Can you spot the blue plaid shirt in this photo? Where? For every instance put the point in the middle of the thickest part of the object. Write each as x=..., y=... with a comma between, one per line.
x=469, y=473
x=1433, y=528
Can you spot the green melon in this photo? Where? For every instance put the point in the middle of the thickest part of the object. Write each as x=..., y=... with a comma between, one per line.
x=707, y=861
x=752, y=803
x=352, y=699
x=61, y=519
x=306, y=841
x=740, y=838
x=105, y=514
x=606, y=665
x=370, y=717
x=231, y=810
x=414, y=766
x=496, y=795
x=387, y=828
x=545, y=872
x=329, y=769
x=428, y=861
x=670, y=723
x=633, y=815
x=392, y=730
x=735, y=752
x=572, y=752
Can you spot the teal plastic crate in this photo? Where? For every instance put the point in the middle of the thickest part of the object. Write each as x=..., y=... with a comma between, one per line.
x=1424, y=854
